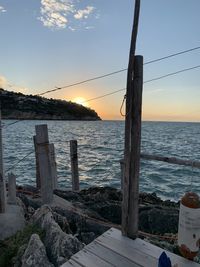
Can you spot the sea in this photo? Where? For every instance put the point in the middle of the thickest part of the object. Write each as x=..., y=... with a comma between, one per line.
x=100, y=149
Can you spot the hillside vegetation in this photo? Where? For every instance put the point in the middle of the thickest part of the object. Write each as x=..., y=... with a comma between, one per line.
x=20, y=106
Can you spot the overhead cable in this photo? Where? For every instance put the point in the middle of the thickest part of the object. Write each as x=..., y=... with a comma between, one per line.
x=119, y=71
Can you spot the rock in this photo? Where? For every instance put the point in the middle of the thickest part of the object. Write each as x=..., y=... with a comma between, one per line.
x=62, y=222
x=60, y=246
x=17, y=260
x=88, y=237
x=35, y=254
x=158, y=220
x=11, y=221
x=79, y=223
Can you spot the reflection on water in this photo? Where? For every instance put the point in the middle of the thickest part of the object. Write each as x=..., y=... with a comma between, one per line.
x=100, y=147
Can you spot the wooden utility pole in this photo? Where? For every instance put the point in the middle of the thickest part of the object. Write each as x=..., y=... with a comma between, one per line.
x=131, y=99
x=2, y=180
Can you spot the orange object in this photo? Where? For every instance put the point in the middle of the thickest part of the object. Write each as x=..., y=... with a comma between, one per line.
x=189, y=225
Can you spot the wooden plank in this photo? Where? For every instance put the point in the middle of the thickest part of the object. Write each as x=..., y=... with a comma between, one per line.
x=109, y=255
x=124, y=249
x=71, y=263
x=172, y=160
x=147, y=248
x=74, y=165
x=87, y=259
x=127, y=142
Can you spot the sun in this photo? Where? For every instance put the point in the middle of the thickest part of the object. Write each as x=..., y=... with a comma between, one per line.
x=81, y=101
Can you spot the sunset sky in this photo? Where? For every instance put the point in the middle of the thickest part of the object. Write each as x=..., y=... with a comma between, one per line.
x=53, y=43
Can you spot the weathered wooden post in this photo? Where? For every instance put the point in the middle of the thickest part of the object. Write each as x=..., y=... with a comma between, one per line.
x=122, y=172
x=12, y=189
x=132, y=136
x=74, y=165
x=38, y=182
x=42, y=141
x=53, y=165
x=2, y=180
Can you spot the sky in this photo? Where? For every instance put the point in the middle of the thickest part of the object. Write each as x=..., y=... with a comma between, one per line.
x=46, y=44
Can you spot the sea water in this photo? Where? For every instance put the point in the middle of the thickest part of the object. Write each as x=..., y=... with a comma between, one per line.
x=100, y=148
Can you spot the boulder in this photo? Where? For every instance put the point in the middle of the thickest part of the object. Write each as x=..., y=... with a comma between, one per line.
x=35, y=254
x=59, y=245
x=158, y=220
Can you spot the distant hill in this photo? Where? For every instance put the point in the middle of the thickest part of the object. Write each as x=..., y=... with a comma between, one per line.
x=20, y=106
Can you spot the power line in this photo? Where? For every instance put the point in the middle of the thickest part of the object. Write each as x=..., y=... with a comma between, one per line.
x=18, y=162
x=123, y=89
x=7, y=125
x=172, y=73
x=119, y=71
x=148, y=81
x=172, y=55
x=81, y=82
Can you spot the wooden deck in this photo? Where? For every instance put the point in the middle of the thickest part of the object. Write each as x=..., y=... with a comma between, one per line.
x=113, y=249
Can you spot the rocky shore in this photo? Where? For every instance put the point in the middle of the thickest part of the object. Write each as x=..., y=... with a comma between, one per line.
x=54, y=233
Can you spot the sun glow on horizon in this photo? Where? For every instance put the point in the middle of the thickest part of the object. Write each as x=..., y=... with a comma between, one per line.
x=81, y=101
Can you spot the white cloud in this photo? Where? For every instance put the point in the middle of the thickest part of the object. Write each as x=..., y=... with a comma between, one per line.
x=57, y=14
x=2, y=9
x=3, y=82
x=54, y=13
x=83, y=13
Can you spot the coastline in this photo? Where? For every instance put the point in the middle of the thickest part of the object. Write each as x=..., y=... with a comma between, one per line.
x=83, y=216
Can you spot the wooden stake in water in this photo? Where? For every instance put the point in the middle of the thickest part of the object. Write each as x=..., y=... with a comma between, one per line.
x=2, y=180
x=38, y=180
x=45, y=169
x=53, y=165
x=74, y=165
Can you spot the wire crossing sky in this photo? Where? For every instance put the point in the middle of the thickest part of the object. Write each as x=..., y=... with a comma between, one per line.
x=52, y=43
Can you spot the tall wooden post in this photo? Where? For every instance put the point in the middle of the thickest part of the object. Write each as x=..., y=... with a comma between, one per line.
x=128, y=196
x=131, y=193
x=38, y=182
x=53, y=165
x=2, y=180
x=12, y=189
x=74, y=165
x=45, y=169
x=122, y=172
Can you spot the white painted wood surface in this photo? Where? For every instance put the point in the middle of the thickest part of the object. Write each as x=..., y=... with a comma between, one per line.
x=114, y=249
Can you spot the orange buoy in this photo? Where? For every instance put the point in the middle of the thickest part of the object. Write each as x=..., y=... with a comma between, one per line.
x=189, y=225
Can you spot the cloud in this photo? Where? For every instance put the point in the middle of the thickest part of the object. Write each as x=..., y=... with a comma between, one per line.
x=54, y=13
x=3, y=82
x=57, y=14
x=83, y=13
x=2, y=9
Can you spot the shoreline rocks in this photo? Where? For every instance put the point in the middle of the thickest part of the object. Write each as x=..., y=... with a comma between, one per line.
x=88, y=214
